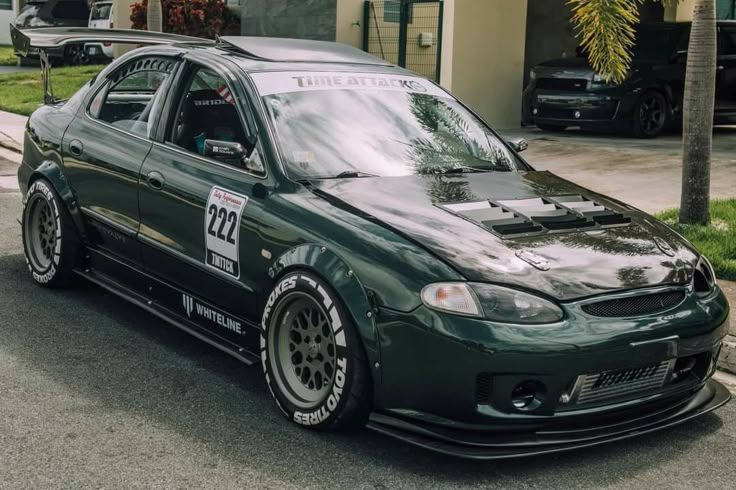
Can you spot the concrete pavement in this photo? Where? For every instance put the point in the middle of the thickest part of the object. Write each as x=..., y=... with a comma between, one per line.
x=643, y=173
x=12, y=127
x=98, y=394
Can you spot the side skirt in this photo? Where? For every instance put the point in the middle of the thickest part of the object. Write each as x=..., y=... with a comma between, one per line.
x=181, y=322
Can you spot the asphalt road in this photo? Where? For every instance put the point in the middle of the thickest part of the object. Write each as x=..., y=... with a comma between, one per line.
x=95, y=393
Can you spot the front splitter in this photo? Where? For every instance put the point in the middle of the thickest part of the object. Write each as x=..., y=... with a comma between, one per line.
x=495, y=445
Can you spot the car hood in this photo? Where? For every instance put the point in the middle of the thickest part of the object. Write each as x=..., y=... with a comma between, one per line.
x=531, y=230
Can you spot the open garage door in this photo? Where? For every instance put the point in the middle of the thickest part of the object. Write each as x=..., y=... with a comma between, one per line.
x=407, y=33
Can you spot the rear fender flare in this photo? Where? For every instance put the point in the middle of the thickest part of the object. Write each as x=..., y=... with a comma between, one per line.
x=52, y=172
x=323, y=262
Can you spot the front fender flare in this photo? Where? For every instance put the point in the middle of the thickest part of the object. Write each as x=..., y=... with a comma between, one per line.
x=338, y=274
x=52, y=172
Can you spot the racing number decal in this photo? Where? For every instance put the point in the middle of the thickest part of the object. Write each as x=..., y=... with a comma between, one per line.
x=222, y=230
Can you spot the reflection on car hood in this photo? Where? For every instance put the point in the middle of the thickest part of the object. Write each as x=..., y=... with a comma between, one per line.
x=462, y=220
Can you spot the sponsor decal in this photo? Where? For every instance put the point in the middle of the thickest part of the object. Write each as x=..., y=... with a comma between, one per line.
x=272, y=83
x=205, y=312
x=222, y=230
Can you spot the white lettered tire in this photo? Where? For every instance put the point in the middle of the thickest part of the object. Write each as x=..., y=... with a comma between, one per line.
x=50, y=241
x=312, y=356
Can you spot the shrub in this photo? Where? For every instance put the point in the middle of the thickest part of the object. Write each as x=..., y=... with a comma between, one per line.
x=198, y=18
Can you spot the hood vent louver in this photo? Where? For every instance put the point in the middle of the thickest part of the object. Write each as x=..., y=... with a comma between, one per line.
x=536, y=216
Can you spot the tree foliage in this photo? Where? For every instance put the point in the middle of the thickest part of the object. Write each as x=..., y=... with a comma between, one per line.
x=607, y=29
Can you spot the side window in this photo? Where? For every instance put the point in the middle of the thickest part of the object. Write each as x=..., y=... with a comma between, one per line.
x=209, y=123
x=71, y=10
x=727, y=46
x=132, y=97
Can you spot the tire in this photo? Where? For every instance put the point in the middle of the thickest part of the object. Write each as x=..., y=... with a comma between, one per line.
x=551, y=127
x=650, y=116
x=312, y=356
x=50, y=241
x=75, y=55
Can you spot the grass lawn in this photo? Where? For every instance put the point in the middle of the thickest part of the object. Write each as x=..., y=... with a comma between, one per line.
x=7, y=56
x=716, y=241
x=22, y=92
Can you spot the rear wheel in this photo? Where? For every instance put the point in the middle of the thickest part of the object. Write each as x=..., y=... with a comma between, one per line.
x=650, y=115
x=50, y=242
x=312, y=356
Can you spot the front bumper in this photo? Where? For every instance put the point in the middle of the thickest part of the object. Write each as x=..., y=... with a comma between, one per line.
x=555, y=437
x=600, y=109
x=454, y=379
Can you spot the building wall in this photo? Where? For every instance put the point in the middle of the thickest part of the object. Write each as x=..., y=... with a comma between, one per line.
x=6, y=18
x=681, y=11
x=303, y=19
x=121, y=19
x=488, y=58
x=349, y=24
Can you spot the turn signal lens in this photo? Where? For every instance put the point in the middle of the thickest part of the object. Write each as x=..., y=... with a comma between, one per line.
x=451, y=297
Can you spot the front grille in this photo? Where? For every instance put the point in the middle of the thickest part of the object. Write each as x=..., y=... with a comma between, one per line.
x=644, y=304
x=625, y=383
x=570, y=84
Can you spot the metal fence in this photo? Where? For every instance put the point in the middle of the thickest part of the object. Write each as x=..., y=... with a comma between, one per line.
x=407, y=33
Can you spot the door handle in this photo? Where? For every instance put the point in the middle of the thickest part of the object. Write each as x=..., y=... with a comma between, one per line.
x=155, y=181
x=76, y=148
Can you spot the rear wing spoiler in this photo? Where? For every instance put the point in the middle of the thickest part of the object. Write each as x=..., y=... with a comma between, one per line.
x=44, y=39
x=48, y=38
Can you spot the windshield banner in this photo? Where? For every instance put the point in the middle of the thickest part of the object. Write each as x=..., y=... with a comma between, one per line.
x=272, y=83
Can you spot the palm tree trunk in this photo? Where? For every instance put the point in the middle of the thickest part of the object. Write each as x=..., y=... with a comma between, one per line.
x=154, y=16
x=698, y=106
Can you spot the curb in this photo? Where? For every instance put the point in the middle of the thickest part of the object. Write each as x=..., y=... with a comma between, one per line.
x=11, y=145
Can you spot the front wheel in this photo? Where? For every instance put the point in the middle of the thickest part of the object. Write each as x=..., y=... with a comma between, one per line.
x=650, y=115
x=312, y=356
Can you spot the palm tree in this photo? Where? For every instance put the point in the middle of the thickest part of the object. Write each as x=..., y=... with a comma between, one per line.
x=607, y=29
x=154, y=16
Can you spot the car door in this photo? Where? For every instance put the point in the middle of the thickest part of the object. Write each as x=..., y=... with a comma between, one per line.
x=198, y=211
x=105, y=146
x=726, y=74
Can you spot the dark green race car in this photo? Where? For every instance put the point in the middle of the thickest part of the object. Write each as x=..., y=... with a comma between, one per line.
x=385, y=256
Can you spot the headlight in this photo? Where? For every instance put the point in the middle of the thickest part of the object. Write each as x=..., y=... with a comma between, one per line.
x=452, y=297
x=704, y=278
x=495, y=303
x=510, y=306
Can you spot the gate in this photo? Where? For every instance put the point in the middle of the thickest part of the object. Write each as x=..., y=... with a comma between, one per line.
x=407, y=33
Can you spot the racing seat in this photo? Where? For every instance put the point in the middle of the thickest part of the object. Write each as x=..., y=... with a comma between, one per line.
x=206, y=113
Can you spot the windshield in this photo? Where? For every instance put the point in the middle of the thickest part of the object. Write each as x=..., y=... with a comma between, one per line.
x=360, y=124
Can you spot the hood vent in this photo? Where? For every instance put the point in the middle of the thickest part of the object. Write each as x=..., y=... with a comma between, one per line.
x=536, y=216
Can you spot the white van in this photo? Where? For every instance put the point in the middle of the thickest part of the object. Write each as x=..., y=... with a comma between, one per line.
x=100, y=17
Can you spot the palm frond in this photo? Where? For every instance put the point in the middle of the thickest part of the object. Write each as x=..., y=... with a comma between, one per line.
x=606, y=29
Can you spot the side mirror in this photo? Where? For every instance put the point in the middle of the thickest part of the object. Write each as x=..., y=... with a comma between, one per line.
x=227, y=151
x=518, y=144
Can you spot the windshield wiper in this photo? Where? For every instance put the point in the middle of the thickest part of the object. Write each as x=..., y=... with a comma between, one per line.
x=349, y=174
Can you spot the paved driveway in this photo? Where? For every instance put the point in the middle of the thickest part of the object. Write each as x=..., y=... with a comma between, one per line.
x=643, y=173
